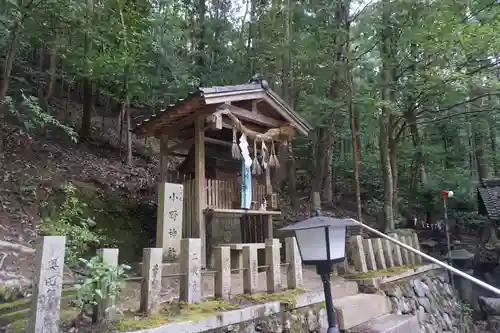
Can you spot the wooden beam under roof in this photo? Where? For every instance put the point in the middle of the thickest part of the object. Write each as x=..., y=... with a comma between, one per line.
x=182, y=144
x=253, y=117
x=173, y=129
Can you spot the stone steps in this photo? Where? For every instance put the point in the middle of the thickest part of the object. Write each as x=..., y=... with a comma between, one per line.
x=390, y=323
x=343, y=288
x=357, y=309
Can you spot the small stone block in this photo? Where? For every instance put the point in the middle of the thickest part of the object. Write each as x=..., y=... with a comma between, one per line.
x=190, y=266
x=389, y=259
x=294, y=275
x=273, y=272
x=416, y=245
x=222, y=256
x=358, y=254
x=379, y=253
x=335, y=270
x=250, y=274
x=46, y=304
x=109, y=256
x=396, y=251
x=152, y=259
x=371, y=264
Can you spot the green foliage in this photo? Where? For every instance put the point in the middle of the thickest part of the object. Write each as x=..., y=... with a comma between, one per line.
x=102, y=283
x=26, y=111
x=443, y=61
x=71, y=221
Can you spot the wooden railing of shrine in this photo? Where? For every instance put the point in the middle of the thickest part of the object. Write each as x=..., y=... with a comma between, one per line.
x=219, y=194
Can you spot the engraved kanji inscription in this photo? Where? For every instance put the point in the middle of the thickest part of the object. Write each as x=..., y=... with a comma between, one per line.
x=172, y=232
x=173, y=214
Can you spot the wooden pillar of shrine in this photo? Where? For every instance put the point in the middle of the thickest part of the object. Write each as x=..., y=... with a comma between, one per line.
x=199, y=189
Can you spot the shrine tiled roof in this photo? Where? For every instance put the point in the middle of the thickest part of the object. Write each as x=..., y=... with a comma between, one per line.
x=488, y=196
x=196, y=100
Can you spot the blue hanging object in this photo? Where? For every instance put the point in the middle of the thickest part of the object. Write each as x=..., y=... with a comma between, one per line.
x=246, y=186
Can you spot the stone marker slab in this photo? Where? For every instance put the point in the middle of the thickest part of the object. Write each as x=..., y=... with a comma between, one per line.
x=273, y=272
x=152, y=259
x=46, y=304
x=169, y=219
x=294, y=274
x=190, y=266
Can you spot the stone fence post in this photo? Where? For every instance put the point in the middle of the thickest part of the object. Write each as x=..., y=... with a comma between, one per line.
x=46, y=298
x=273, y=272
x=250, y=269
x=292, y=256
x=152, y=259
x=416, y=245
x=396, y=251
x=105, y=308
x=190, y=266
x=222, y=256
x=358, y=255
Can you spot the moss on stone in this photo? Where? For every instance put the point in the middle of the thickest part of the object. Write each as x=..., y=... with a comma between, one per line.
x=381, y=272
x=133, y=323
x=287, y=297
x=21, y=324
x=171, y=312
x=208, y=308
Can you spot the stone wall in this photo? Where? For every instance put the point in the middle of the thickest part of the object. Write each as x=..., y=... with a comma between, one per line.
x=433, y=300
x=311, y=319
x=307, y=315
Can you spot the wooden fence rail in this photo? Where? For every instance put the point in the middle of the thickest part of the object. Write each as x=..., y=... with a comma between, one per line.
x=369, y=254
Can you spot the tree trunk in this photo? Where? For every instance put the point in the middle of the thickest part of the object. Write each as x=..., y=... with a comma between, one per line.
x=421, y=176
x=385, y=115
x=337, y=83
x=493, y=144
x=88, y=91
x=126, y=108
x=481, y=137
x=88, y=106
x=51, y=81
x=292, y=178
x=201, y=43
x=354, y=138
x=393, y=156
x=328, y=180
x=15, y=37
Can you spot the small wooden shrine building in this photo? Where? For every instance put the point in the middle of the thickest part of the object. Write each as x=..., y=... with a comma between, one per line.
x=217, y=129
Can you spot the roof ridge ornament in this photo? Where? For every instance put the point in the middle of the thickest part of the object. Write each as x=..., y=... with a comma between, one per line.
x=259, y=79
